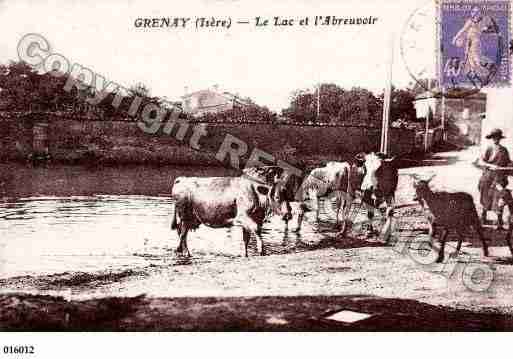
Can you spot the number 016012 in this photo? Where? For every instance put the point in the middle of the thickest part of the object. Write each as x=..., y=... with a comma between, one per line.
x=18, y=349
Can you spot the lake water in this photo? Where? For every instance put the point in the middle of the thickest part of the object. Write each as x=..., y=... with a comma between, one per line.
x=71, y=218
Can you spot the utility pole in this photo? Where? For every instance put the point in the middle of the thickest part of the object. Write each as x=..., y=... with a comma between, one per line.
x=426, y=131
x=318, y=99
x=386, y=101
x=444, y=134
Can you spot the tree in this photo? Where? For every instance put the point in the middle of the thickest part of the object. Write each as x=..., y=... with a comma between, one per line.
x=360, y=107
x=402, y=105
x=301, y=108
x=336, y=105
x=23, y=89
x=140, y=89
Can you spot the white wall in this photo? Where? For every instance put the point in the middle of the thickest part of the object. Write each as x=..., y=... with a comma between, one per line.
x=422, y=107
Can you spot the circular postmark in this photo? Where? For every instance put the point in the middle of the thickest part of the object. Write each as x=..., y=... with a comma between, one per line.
x=454, y=48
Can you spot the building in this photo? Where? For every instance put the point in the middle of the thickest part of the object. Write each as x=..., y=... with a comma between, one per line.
x=499, y=114
x=210, y=100
x=463, y=116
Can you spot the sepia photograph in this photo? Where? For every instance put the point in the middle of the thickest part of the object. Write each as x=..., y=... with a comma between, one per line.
x=242, y=166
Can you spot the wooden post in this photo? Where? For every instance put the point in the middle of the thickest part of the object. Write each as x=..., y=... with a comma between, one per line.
x=386, y=102
x=442, y=110
x=318, y=100
x=426, y=133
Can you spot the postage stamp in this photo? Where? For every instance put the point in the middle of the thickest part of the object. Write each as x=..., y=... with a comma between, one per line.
x=473, y=40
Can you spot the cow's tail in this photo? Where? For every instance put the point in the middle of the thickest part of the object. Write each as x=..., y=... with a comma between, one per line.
x=173, y=197
x=173, y=218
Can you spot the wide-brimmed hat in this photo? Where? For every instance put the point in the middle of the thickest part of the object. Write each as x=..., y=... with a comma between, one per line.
x=495, y=133
x=360, y=157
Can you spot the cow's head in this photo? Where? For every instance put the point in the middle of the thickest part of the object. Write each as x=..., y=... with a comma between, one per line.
x=380, y=179
x=373, y=163
x=421, y=186
x=283, y=185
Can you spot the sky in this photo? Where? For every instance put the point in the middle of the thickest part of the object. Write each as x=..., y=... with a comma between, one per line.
x=266, y=64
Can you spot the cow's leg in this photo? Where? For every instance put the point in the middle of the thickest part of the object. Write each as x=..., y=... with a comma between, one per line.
x=317, y=207
x=300, y=216
x=370, y=217
x=251, y=227
x=246, y=236
x=347, y=201
x=508, y=239
x=431, y=226
x=286, y=217
x=260, y=245
x=460, y=241
x=479, y=231
x=313, y=196
x=509, y=203
x=386, y=231
x=499, y=210
x=338, y=204
x=368, y=202
x=259, y=240
x=441, y=250
x=182, y=246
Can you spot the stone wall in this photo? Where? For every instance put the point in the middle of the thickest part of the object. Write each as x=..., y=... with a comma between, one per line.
x=125, y=142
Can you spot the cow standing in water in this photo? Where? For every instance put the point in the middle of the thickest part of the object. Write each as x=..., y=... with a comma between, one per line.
x=378, y=186
x=243, y=201
x=342, y=179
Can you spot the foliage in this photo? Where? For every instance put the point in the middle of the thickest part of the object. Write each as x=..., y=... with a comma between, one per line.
x=241, y=114
x=336, y=105
x=402, y=105
x=23, y=89
x=357, y=106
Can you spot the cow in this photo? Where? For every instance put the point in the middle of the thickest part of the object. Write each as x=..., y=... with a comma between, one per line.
x=378, y=186
x=451, y=211
x=244, y=201
x=342, y=179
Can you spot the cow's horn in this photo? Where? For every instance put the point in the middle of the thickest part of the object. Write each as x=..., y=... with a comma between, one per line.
x=389, y=159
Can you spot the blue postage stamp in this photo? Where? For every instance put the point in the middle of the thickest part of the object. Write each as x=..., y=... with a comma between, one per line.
x=474, y=38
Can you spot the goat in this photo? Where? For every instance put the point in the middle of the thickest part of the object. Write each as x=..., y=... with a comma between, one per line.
x=451, y=210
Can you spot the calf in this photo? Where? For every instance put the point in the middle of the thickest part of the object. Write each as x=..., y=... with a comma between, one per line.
x=451, y=210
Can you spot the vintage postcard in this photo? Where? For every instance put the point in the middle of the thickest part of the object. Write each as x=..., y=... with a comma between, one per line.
x=337, y=166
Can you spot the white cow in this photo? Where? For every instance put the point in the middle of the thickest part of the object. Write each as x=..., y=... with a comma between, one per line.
x=341, y=179
x=243, y=201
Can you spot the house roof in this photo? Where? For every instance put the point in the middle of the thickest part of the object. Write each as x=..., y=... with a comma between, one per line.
x=225, y=94
x=199, y=92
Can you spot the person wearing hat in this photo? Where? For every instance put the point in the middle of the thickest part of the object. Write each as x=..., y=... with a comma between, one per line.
x=492, y=184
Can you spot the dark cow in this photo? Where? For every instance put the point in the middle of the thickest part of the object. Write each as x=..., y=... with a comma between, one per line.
x=243, y=201
x=451, y=211
x=378, y=186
